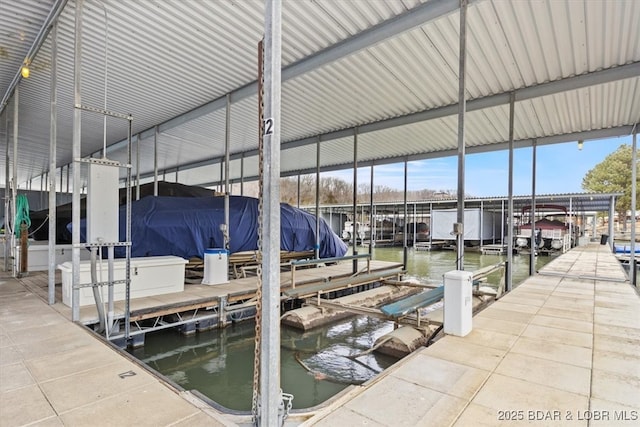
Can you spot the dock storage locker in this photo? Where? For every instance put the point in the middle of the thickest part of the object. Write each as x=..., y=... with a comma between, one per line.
x=149, y=276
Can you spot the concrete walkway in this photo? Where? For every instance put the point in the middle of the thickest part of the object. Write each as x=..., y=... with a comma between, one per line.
x=562, y=349
x=55, y=373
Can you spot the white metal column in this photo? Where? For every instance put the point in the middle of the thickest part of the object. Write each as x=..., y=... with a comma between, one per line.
x=509, y=265
x=462, y=107
x=532, y=255
x=270, y=394
x=53, y=129
x=77, y=135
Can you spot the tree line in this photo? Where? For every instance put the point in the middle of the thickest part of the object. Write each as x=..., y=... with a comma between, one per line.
x=338, y=191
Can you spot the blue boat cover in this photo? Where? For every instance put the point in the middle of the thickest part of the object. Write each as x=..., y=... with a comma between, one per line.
x=187, y=226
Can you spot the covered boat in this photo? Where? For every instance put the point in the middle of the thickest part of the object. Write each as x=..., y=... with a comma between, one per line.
x=186, y=226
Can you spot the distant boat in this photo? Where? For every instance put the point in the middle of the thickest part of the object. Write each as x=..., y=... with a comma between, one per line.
x=626, y=249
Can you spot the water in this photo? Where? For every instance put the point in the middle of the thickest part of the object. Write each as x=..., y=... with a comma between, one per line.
x=314, y=364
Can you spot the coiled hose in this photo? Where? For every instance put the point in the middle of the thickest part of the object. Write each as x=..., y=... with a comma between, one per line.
x=22, y=214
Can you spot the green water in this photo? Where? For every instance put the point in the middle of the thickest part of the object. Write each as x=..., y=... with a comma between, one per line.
x=314, y=364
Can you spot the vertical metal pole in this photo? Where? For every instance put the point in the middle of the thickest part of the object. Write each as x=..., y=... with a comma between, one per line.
x=220, y=182
x=227, y=159
x=571, y=228
x=462, y=107
x=242, y=174
x=270, y=395
x=138, y=167
x=634, y=172
x=534, y=246
x=68, y=173
x=76, y=154
x=612, y=212
x=354, y=234
x=372, y=219
x=14, y=188
x=415, y=224
x=127, y=271
x=298, y=191
x=405, y=228
x=317, y=243
x=155, y=161
x=53, y=130
x=481, y=223
x=7, y=186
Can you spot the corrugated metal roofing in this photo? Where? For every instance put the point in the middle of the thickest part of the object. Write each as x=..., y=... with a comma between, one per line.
x=171, y=57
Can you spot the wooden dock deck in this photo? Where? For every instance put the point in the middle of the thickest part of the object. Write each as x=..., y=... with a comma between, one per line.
x=196, y=296
x=561, y=349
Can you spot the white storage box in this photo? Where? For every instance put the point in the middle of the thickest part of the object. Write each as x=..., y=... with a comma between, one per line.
x=38, y=256
x=149, y=276
x=216, y=267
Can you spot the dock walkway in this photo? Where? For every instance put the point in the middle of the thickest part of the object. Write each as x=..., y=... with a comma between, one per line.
x=561, y=349
x=54, y=373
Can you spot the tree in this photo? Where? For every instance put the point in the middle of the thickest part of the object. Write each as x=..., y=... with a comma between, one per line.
x=613, y=175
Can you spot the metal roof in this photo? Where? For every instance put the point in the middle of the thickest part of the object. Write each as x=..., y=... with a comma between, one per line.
x=387, y=68
x=576, y=203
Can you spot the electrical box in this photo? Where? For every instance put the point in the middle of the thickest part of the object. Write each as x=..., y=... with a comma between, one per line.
x=216, y=267
x=102, y=204
x=458, y=302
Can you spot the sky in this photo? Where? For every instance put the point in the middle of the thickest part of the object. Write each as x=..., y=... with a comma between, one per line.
x=559, y=169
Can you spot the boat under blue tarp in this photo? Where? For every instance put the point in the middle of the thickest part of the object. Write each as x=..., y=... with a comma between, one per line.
x=186, y=226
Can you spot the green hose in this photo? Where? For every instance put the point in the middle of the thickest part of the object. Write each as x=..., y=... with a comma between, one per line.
x=22, y=214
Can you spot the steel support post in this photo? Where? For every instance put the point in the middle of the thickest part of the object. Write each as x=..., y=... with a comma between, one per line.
x=155, y=161
x=405, y=224
x=355, y=228
x=534, y=248
x=372, y=220
x=7, y=194
x=127, y=265
x=14, y=170
x=612, y=213
x=227, y=187
x=317, y=242
x=462, y=107
x=270, y=393
x=76, y=154
x=571, y=226
x=242, y=174
x=53, y=130
x=138, y=167
x=634, y=184
x=509, y=265
x=298, y=192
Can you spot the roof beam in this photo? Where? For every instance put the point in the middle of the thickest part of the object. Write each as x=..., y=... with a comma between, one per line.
x=504, y=145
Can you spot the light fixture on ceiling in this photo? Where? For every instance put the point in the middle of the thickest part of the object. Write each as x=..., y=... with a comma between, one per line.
x=580, y=144
x=24, y=71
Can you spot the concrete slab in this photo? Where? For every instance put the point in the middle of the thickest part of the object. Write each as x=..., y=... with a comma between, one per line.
x=561, y=336
x=563, y=353
x=442, y=375
x=546, y=372
x=24, y=406
x=502, y=393
x=466, y=353
x=14, y=376
x=614, y=387
x=559, y=323
x=145, y=405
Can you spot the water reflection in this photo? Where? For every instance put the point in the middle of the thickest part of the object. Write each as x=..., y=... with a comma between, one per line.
x=315, y=365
